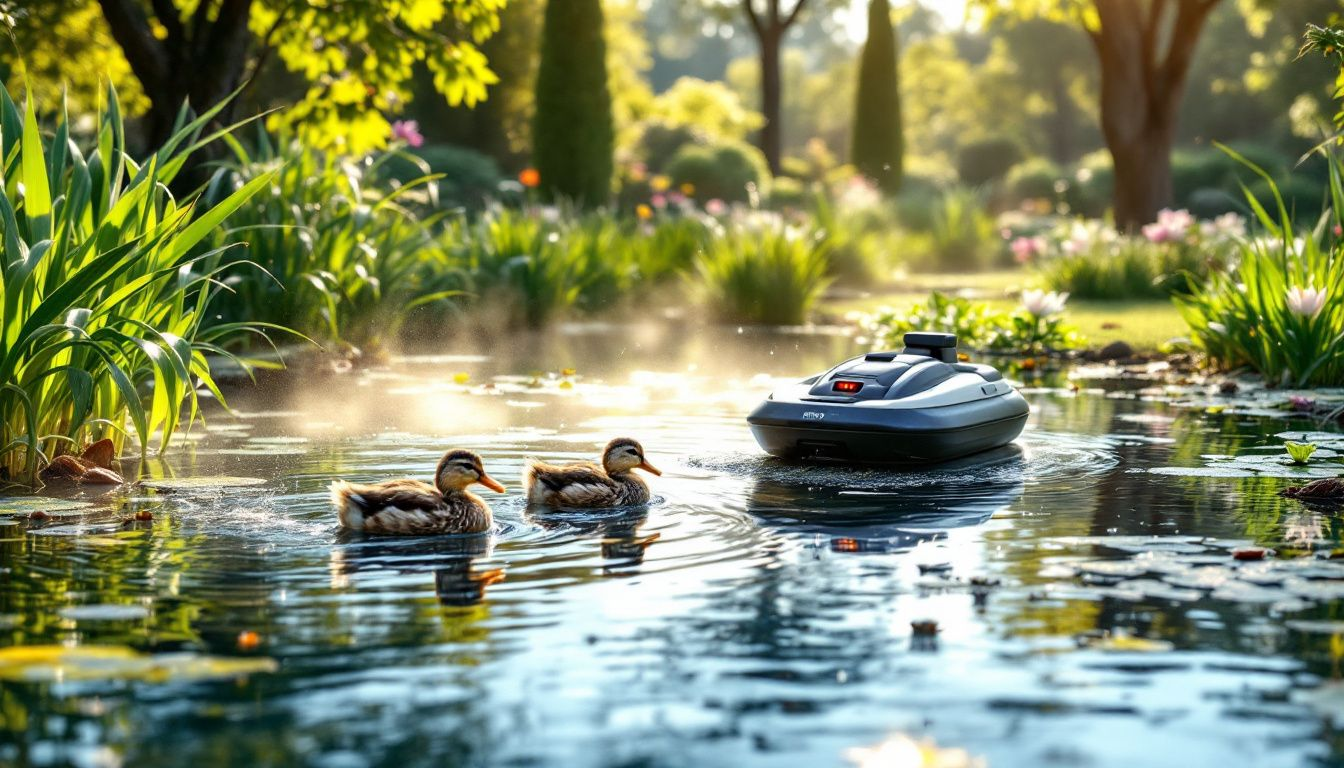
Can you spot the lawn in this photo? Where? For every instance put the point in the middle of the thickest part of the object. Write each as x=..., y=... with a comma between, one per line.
x=1144, y=324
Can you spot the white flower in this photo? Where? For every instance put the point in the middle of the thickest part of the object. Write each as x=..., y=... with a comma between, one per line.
x=1307, y=302
x=1042, y=304
x=1218, y=328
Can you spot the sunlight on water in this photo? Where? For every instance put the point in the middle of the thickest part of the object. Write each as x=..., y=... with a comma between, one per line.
x=756, y=612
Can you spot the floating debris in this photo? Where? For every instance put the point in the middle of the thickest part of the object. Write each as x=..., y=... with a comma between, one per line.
x=1249, y=553
x=1326, y=489
x=924, y=627
x=248, y=640
x=51, y=663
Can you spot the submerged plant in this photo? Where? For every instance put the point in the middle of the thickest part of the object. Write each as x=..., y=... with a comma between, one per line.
x=105, y=294
x=1300, y=452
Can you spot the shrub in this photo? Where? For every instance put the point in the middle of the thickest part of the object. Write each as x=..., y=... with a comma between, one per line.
x=863, y=239
x=1092, y=186
x=878, y=147
x=1090, y=260
x=467, y=177
x=1034, y=179
x=659, y=142
x=572, y=133
x=762, y=271
x=348, y=260
x=789, y=193
x=963, y=233
x=980, y=162
x=105, y=293
x=1280, y=310
x=724, y=171
x=1036, y=327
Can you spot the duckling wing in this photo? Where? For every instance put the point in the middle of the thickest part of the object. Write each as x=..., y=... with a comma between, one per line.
x=572, y=485
x=408, y=495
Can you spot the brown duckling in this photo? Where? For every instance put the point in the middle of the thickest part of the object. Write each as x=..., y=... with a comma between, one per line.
x=418, y=508
x=585, y=485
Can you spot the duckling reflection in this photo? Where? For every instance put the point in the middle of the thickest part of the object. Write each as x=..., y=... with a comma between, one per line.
x=618, y=530
x=864, y=510
x=457, y=582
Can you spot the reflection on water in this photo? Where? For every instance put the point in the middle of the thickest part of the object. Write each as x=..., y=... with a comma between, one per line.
x=756, y=613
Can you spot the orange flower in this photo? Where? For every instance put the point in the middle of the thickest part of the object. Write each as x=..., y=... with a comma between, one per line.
x=644, y=211
x=688, y=189
x=529, y=177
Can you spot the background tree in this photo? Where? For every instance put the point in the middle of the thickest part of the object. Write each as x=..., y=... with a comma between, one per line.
x=1144, y=49
x=355, y=59
x=572, y=135
x=878, y=145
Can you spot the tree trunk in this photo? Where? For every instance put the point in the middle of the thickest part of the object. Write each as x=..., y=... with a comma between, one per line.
x=771, y=89
x=1145, y=53
x=1142, y=177
x=198, y=61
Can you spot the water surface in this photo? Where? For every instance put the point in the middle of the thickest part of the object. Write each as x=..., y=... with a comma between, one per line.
x=757, y=613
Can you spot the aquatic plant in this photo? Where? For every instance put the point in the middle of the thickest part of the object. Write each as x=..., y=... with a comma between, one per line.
x=1280, y=310
x=349, y=256
x=1038, y=326
x=105, y=292
x=1299, y=452
x=975, y=323
x=762, y=270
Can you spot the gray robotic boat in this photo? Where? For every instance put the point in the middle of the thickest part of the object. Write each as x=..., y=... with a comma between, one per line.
x=918, y=405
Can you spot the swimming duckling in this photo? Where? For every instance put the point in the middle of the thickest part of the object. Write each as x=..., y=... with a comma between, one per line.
x=414, y=507
x=585, y=485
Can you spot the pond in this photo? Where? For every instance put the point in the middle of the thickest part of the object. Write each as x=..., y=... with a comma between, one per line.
x=1089, y=609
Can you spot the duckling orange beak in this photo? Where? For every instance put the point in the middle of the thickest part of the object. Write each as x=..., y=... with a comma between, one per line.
x=647, y=467
x=491, y=483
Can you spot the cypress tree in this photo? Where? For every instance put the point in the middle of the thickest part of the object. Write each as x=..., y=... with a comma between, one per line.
x=572, y=132
x=878, y=146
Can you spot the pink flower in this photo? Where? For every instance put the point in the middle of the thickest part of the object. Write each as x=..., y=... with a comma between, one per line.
x=1301, y=403
x=676, y=198
x=1024, y=248
x=715, y=207
x=1170, y=225
x=408, y=131
x=659, y=200
x=1339, y=230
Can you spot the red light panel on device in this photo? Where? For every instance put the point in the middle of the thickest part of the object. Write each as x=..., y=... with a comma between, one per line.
x=847, y=386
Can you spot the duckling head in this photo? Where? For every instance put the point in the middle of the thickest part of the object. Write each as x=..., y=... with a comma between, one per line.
x=624, y=454
x=459, y=469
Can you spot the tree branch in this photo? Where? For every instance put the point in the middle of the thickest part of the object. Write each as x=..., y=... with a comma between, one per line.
x=1171, y=72
x=143, y=51
x=753, y=17
x=793, y=15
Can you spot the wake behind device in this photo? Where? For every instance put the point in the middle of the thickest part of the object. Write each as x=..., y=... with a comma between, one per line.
x=916, y=405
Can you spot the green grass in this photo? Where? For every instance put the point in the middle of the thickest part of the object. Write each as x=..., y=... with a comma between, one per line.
x=1142, y=323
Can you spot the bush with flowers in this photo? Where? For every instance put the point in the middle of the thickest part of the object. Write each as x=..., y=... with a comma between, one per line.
x=1280, y=310
x=1091, y=260
x=1036, y=327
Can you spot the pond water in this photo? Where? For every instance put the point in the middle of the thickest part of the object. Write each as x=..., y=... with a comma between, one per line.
x=1088, y=606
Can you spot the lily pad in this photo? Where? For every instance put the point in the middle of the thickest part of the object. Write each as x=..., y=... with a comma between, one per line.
x=1317, y=627
x=174, y=485
x=104, y=612
x=51, y=663
x=26, y=505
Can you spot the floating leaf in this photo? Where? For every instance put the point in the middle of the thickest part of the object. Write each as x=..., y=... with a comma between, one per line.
x=1129, y=644
x=172, y=485
x=24, y=505
x=1301, y=452
x=49, y=663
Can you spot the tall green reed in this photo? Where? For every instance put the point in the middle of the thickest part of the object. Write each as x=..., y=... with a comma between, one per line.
x=349, y=256
x=763, y=271
x=104, y=292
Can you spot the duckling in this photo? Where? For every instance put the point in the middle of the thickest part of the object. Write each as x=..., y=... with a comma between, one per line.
x=414, y=507
x=585, y=485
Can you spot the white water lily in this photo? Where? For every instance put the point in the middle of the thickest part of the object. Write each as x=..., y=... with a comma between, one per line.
x=1043, y=304
x=1307, y=302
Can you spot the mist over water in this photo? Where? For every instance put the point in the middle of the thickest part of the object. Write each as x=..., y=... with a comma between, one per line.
x=755, y=613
